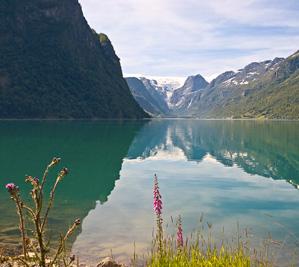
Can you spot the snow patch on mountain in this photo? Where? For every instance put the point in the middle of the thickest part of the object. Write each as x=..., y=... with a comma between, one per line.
x=165, y=85
x=171, y=83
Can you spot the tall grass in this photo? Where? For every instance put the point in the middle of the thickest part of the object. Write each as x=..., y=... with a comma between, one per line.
x=200, y=249
x=203, y=251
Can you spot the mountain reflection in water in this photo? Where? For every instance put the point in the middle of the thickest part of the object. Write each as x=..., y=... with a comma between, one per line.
x=232, y=171
x=269, y=149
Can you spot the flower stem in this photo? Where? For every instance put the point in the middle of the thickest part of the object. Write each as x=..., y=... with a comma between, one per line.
x=21, y=225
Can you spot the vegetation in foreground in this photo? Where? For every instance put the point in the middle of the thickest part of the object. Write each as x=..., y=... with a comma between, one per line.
x=36, y=248
x=200, y=250
x=173, y=251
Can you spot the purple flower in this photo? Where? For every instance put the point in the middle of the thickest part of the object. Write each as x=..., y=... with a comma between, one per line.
x=158, y=211
x=180, y=240
x=157, y=197
x=12, y=188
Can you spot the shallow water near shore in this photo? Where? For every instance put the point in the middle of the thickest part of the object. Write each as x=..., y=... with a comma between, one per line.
x=232, y=172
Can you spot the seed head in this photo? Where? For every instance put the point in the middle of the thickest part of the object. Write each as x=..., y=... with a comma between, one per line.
x=54, y=161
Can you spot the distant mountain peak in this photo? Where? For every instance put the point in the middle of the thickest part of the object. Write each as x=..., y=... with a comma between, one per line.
x=266, y=89
x=183, y=96
x=195, y=83
x=234, y=94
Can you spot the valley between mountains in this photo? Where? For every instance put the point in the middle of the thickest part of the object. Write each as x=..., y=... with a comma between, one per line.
x=265, y=90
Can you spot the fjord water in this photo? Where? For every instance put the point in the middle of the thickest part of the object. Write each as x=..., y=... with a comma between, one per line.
x=232, y=172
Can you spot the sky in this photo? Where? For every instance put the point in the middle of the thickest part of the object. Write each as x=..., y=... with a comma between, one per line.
x=178, y=38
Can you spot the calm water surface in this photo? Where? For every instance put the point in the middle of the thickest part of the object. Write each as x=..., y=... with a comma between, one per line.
x=232, y=172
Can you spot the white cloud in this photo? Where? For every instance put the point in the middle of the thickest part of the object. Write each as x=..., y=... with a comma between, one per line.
x=177, y=38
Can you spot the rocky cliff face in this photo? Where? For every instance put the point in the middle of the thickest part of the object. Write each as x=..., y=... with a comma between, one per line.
x=146, y=96
x=151, y=96
x=53, y=65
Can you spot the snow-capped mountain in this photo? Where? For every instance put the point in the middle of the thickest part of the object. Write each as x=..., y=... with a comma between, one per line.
x=252, y=72
x=166, y=85
x=154, y=94
x=182, y=97
x=149, y=95
x=267, y=89
x=169, y=83
x=261, y=89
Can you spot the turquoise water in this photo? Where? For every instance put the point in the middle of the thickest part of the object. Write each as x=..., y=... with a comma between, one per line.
x=232, y=172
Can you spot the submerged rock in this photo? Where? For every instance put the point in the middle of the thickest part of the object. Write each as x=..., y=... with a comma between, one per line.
x=109, y=262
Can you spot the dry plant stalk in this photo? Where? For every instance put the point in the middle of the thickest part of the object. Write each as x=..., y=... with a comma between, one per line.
x=39, y=216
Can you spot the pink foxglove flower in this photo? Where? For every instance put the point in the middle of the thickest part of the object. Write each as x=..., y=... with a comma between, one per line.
x=158, y=211
x=157, y=197
x=180, y=240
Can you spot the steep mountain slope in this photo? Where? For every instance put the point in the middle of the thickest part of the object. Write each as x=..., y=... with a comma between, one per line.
x=148, y=99
x=159, y=93
x=266, y=89
x=275, y=97
x=167, y=96
x=53, y=65
x=182, y=97
x=152, y=95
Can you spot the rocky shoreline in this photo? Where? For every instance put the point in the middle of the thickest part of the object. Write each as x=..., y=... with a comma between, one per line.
x=8, y=261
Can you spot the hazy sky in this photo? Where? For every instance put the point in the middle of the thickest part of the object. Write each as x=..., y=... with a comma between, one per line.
x=185, y=37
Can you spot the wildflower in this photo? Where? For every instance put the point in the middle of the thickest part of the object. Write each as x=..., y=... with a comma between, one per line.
x=157, y=197
x=158, y=211
x=180, y=240
x=12, y=188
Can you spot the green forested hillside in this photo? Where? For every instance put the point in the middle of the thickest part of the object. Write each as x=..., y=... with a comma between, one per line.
x=279, y=101
x=268, y=90
x=53, y=65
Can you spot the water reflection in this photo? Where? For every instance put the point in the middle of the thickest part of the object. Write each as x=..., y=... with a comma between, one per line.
x=93, y=151
x=219, y=168
x=229, y=170
x=269, y=149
